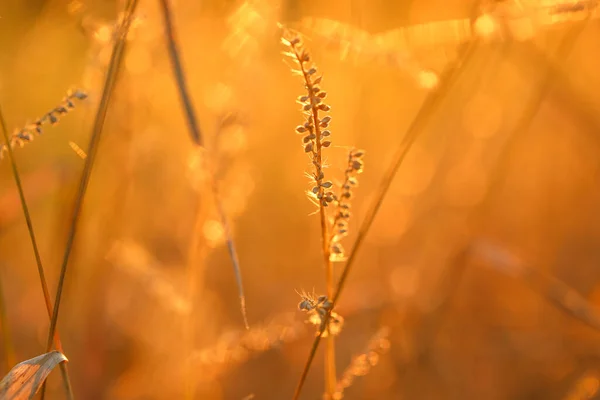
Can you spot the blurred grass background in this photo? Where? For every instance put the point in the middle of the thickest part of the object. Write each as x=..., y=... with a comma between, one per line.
x=458, y=329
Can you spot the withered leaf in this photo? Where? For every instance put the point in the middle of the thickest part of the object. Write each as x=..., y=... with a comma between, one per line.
x=26, y=378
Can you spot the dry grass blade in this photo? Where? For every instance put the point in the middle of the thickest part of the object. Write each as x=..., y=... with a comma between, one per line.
x=26, y=378
x=429, y=106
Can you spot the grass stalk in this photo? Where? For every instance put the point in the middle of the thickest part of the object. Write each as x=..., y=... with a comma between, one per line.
x=194, y=128
x=330, y=367
x=231, y=248
x=180, y=78
x=312, y=107
x=111, y=77
x=38, y=259
x=194, y=253
x=430, y=105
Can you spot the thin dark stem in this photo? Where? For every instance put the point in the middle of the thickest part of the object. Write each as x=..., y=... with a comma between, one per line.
x=194, y=128
x=429, y=106
x=63, y=366
x=111, y=78
x=232, y=253
x=170, y=34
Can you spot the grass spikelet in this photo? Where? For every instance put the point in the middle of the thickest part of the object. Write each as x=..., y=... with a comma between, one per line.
x=334, y=220
x=363, y=363
x=316, y=137
x=344, y=202
x=52, y=117
x=429, y=106
x=317, y=308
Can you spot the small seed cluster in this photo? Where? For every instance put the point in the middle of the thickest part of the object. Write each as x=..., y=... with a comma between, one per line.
x=342, y=213
x=317, y=308
x=28, y=133
x=314, y=131
x=315, y=137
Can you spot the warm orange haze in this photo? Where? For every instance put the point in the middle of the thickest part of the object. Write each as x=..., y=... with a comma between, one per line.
x=285, y=199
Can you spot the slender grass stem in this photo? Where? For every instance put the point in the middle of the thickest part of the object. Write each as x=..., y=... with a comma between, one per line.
x=430, y=105
x=198, y=139
x=186, y=99
x=231, y=249
x=194, y=128
x=314, y=144
x=111, y=77
x=330, y=367
x=38, y=259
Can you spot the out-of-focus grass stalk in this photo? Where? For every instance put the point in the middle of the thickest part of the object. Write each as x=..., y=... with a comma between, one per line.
x=194, y=128
x=111, y=78
x=63, y=366
x=206, y=165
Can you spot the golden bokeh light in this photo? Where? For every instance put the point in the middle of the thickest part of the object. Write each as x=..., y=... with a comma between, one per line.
x=240, y=186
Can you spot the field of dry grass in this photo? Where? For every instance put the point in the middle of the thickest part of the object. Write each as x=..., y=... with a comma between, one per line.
x=284, y=199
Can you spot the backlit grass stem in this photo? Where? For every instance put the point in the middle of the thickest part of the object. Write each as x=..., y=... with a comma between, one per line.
x=111, y=78
x=428, y=108
x=9, y=149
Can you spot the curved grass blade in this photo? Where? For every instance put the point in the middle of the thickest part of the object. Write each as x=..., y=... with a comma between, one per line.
x=25, y=379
